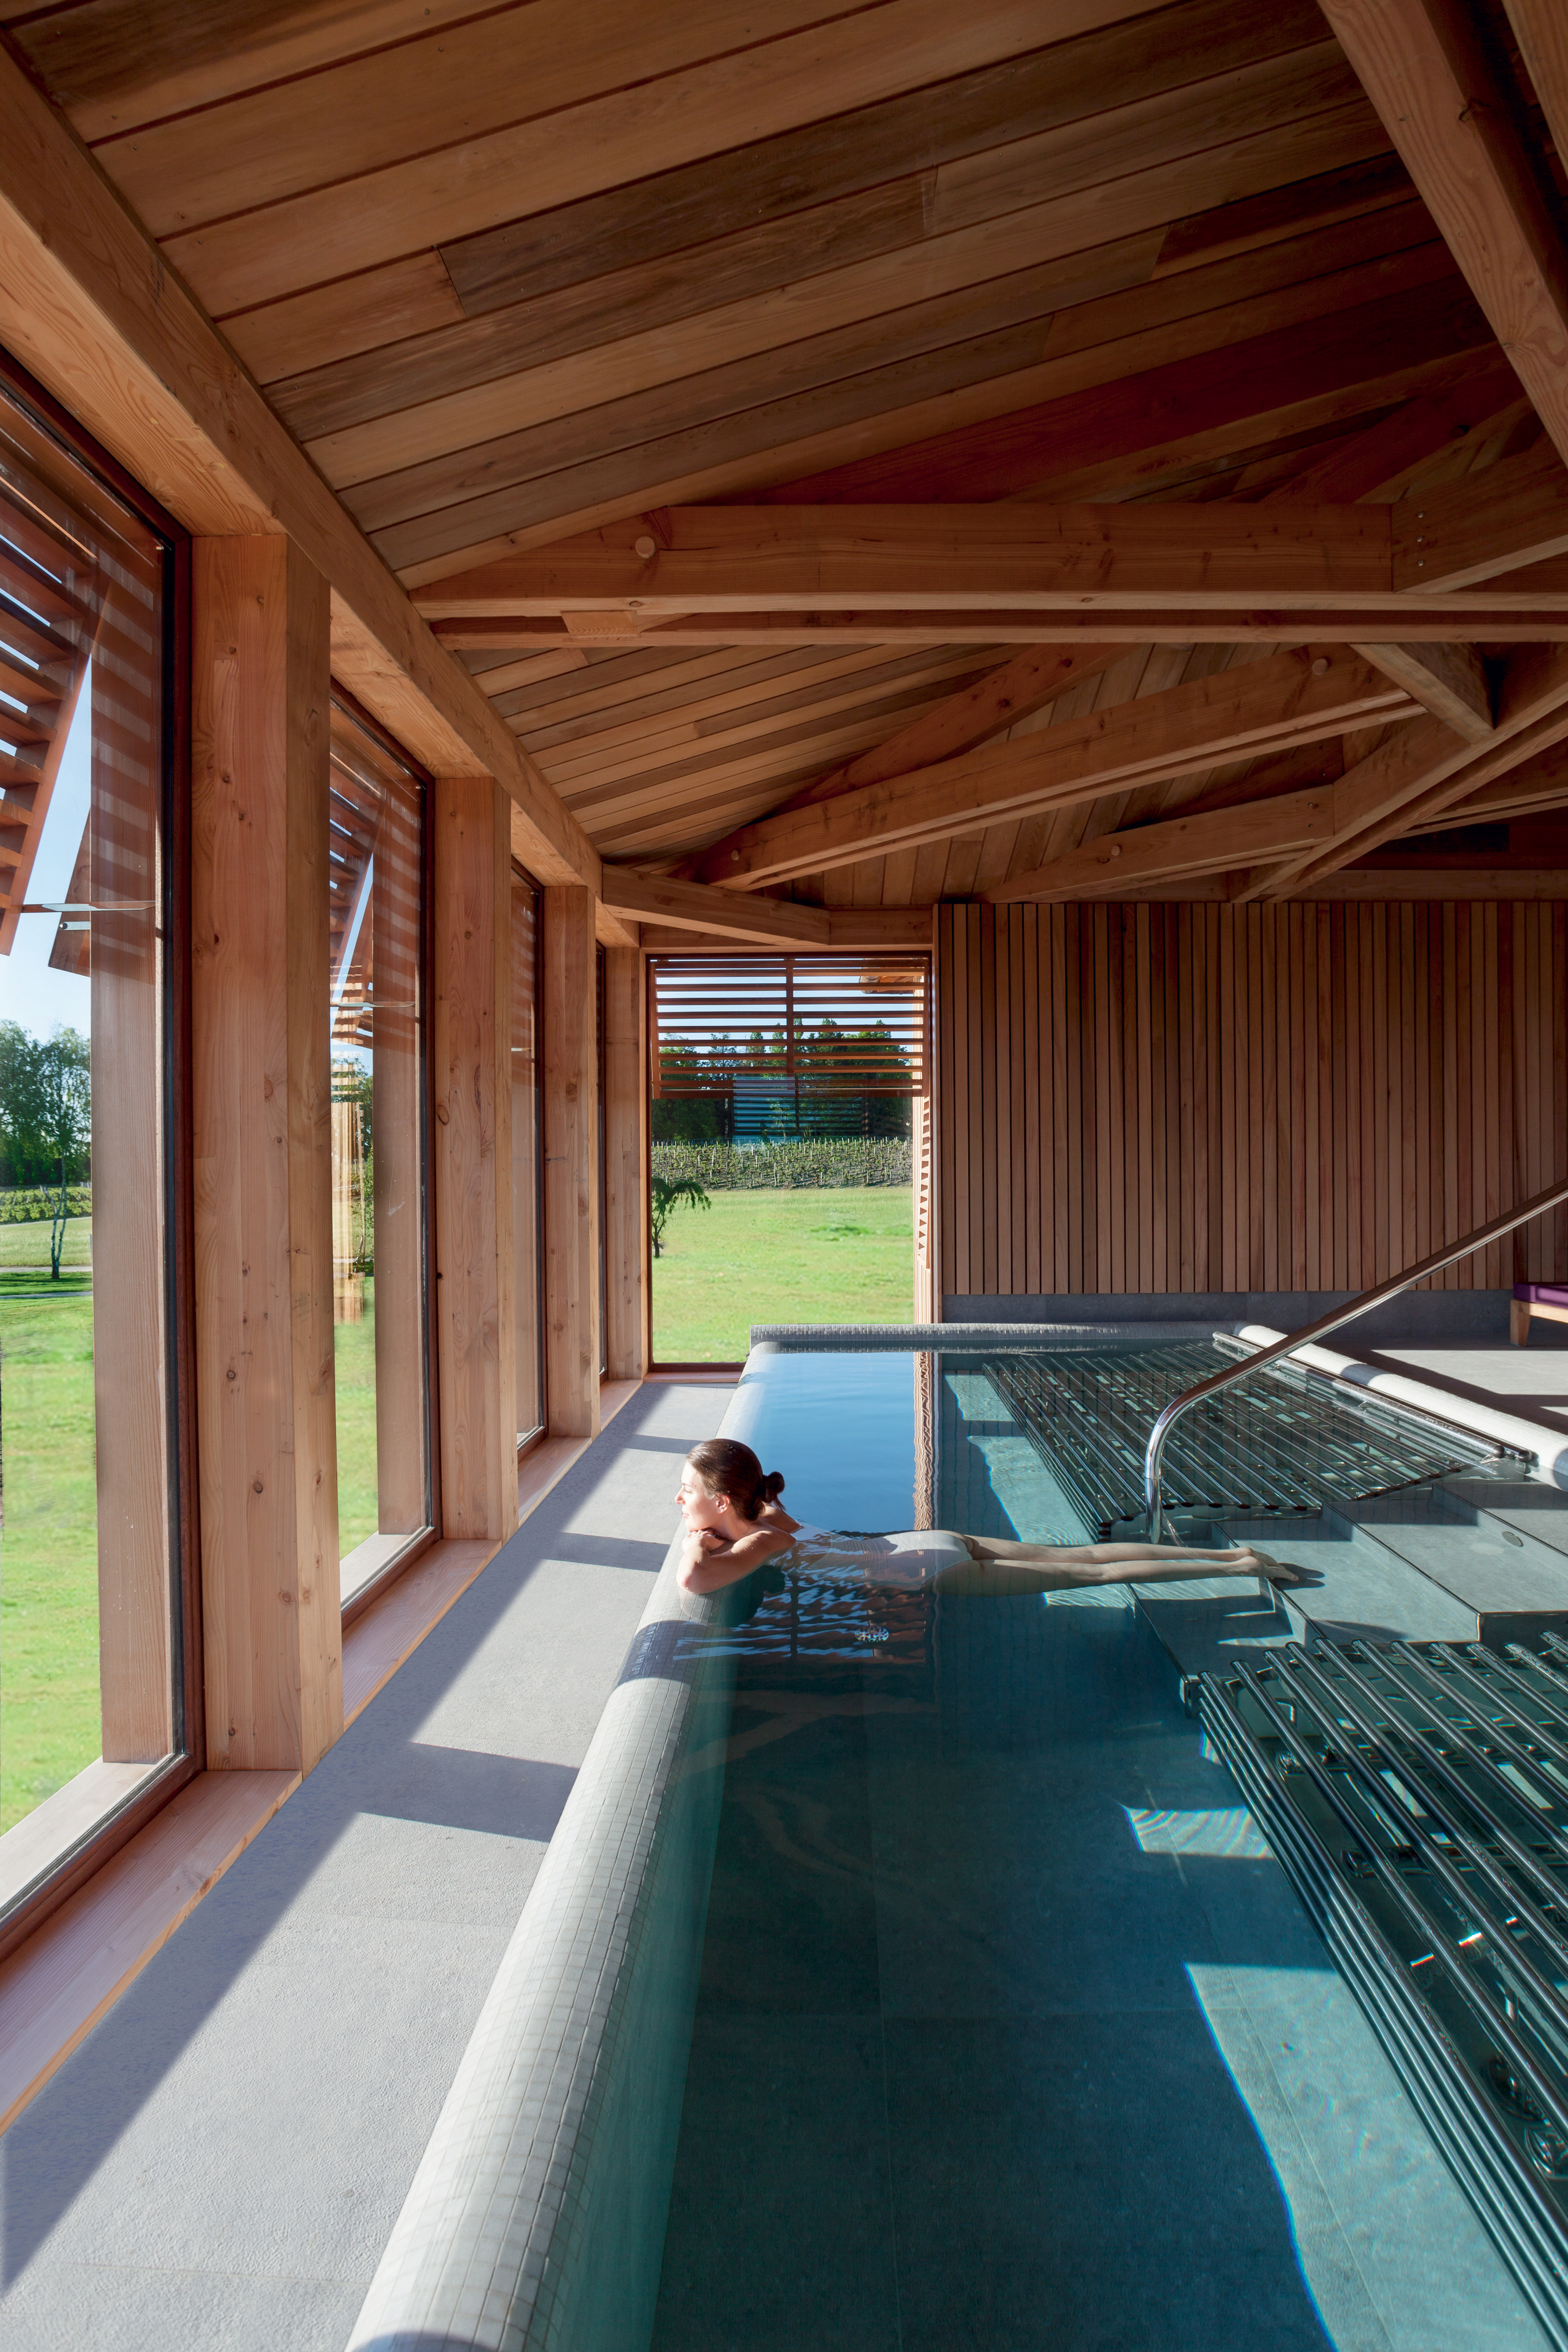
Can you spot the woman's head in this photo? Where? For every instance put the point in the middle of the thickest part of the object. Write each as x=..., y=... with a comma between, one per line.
x=721, y=1471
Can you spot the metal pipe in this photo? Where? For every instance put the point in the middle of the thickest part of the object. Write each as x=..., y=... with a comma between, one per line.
x=1332, y=1321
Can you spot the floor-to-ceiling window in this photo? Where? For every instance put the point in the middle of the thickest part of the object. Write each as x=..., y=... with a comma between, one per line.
x=379, y=1256
x=527, y=1154
x=782, y=1159
x=92, y=1651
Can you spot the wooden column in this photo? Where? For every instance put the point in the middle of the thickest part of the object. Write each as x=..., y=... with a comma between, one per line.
x=470, y=1048
x=262, y=1102
x=625, y=1165
x=570, y=1164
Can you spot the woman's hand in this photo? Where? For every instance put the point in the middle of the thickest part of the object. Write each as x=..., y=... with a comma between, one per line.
x=708, y=1563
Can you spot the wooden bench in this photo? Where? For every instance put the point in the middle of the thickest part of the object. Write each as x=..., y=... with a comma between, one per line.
x=1547, y=1299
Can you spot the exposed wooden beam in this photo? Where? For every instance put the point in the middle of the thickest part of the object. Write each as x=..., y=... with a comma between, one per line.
x=1539, y=782
x=1264, y=707
x=1536, y=615
x=1211, y=843
x=1450, y=680
x=1508, y=515
x=90, y=304
x=1020, y=687
x=760, y=559
x=880, y=931
x=662, y=568
x=1423, y=67
x=1424, y=770
x=693, y=907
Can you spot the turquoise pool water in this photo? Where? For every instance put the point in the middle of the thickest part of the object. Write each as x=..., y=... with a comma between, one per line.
x=1011, y=2034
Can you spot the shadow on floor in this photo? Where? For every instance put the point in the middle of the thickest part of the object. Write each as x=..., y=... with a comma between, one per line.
x=392, y=1899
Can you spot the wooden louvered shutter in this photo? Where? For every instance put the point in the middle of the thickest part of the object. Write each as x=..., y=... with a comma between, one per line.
x=794, y=1027
x=50, y=604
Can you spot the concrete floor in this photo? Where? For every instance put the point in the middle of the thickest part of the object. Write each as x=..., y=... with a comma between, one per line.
x=221, y=2163
x=1531, y=1380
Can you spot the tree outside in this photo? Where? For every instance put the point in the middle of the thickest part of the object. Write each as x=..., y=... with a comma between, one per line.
x=45, y=1119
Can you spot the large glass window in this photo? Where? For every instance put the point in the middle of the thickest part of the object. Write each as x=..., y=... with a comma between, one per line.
x=781, y=1160
x=91, y=1654
x=527, y=1155
x=377, y=967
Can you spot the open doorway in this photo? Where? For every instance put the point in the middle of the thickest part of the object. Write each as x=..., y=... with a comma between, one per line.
x=787, y=1161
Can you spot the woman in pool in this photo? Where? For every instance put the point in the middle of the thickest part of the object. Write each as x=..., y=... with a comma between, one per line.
x=735, y=1523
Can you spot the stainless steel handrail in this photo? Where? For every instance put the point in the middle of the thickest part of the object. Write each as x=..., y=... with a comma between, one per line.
x=1154, y=1453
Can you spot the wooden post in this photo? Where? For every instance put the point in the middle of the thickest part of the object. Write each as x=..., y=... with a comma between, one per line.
x=471, y=1049
x=262, y=1101
x=570, y=1164
x=625, y=1165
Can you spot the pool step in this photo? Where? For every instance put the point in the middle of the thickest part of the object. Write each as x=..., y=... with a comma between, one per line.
x=1425, y=1565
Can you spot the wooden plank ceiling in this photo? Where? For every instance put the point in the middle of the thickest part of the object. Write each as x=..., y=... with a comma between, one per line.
x=539, y=287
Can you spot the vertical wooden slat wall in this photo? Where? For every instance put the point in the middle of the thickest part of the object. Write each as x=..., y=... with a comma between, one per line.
x=1212, y=1098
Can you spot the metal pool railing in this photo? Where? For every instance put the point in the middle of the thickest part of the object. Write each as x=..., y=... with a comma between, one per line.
x=1336, y=1317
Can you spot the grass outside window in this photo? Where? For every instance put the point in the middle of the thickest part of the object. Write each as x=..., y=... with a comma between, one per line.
x=831, y=1254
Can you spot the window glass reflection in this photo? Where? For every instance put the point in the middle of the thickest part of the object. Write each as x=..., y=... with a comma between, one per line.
x=89, y=1648
x=377, y=1015
x=527, y=1148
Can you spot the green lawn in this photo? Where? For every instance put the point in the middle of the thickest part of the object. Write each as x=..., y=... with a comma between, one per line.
x=48, y=1551
x=48, y=1548
x=829, y=1256
x=353, y=1379
x=28, y=1245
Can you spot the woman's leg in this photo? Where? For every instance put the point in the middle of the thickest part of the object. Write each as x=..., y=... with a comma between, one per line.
x=1121, y=1563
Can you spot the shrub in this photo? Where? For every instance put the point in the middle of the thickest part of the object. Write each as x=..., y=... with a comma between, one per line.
x=34, y=1204
x=826, y=1161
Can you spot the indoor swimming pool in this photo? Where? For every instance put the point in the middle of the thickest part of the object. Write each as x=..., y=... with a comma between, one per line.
x=911, y=1970
x=1010, y=2032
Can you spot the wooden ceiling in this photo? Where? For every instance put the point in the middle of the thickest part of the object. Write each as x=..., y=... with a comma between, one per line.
x=537, y=285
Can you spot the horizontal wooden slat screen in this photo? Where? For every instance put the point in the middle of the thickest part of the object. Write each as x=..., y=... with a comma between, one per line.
x=834, y=1024
x=1147, y=1098
x=50, y=597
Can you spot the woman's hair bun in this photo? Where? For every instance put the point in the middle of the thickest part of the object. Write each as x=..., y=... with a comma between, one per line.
x=727, y=1467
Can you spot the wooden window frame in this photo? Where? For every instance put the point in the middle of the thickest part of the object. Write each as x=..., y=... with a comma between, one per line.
x=87, y=1853
x=419, y=1543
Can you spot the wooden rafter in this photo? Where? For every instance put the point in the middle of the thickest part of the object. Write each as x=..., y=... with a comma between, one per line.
x=1425, y=70
x=865, y=560
x=1264, y=707
x=1448, y=620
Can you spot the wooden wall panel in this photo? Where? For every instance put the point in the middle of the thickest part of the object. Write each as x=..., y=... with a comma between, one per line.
x=1145, y=1098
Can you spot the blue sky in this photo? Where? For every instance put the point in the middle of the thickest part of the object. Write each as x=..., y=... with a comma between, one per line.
x=41, y=1000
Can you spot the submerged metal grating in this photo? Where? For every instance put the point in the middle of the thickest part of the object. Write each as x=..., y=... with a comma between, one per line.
x=1283, y=1447
x=1417, y=1795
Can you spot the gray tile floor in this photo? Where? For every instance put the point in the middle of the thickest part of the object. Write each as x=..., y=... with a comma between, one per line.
x=220, y=2164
